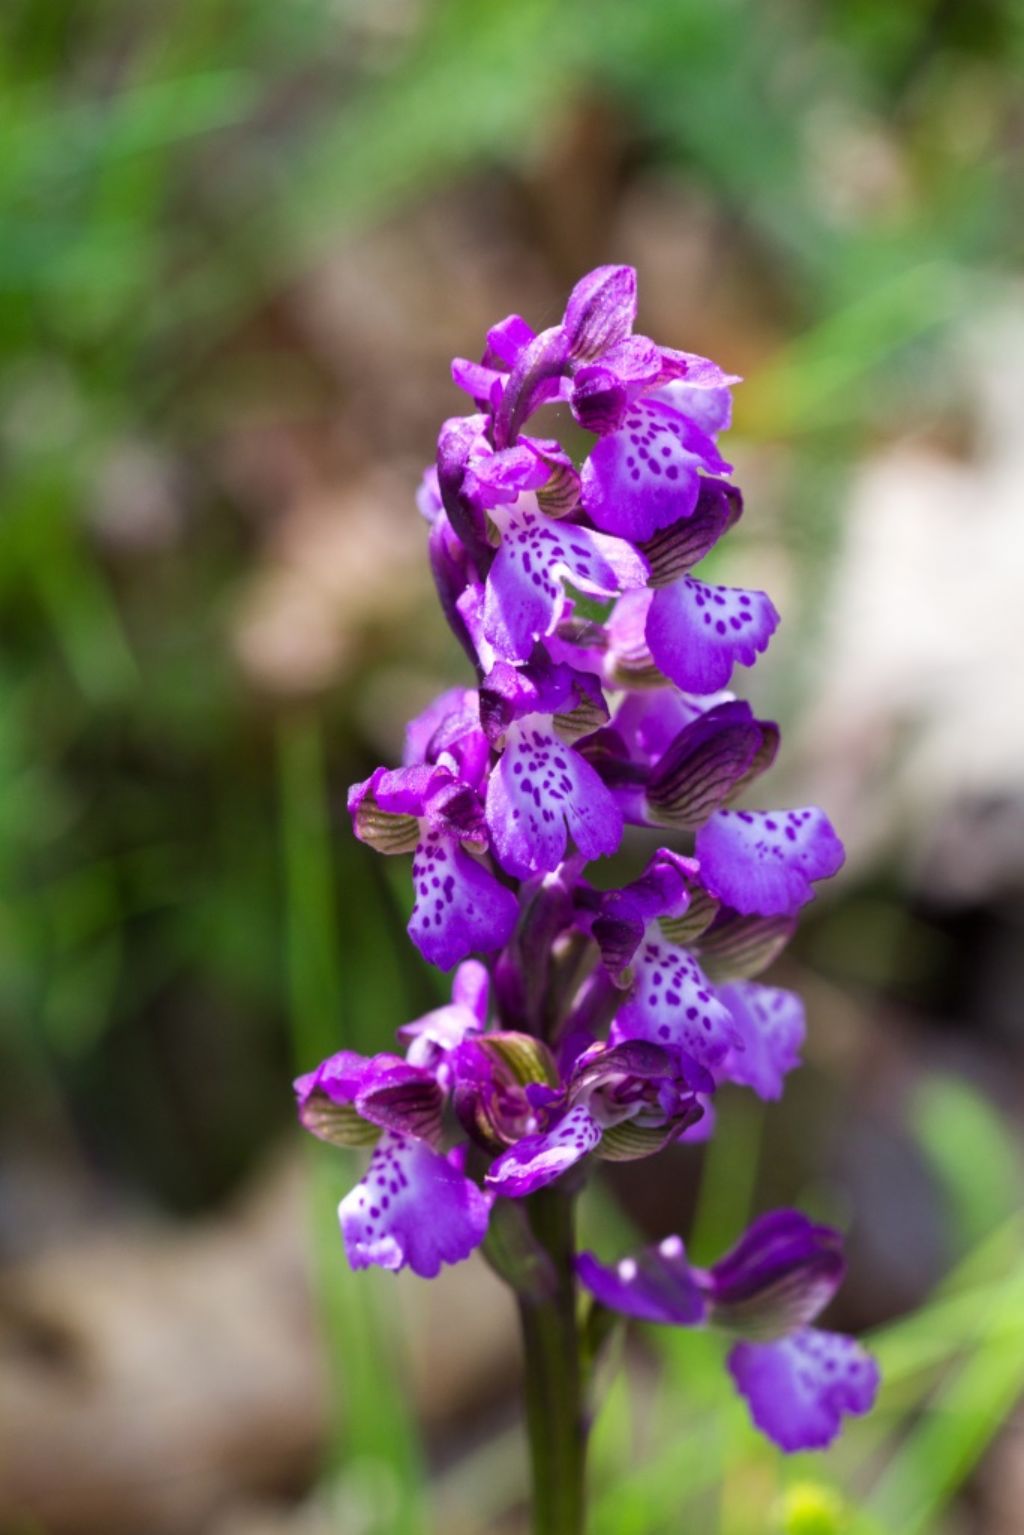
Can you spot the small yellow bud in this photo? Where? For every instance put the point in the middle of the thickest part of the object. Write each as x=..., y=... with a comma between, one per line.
x=810, y=1508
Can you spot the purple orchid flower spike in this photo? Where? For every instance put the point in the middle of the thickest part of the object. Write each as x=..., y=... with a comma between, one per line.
x=596, y=1022
x=798, y=1382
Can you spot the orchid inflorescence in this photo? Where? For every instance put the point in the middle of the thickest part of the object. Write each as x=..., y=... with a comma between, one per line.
x=598, y=1023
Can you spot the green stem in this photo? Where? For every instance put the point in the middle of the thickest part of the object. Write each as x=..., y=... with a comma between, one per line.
x=555, y=1422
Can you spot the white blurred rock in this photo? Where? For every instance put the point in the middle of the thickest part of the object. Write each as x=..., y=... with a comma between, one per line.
x=918, y=721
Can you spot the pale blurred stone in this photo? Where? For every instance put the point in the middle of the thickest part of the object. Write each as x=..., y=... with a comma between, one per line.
x=153, y=1379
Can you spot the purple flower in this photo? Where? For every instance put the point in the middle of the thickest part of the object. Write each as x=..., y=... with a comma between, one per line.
x=597, y=702
x=771, y=1025
x=460, y=907
x=697, y=633
x=763, y=861
x=541, y=791
x=624, y=1101
x=415, y=1208
x=525, y=595
x=672, y=1002
x=646, y=475
x=778, y=1277
x=798, y=1390
x=433, y=809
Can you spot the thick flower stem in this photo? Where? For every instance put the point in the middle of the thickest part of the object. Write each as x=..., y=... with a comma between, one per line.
x=553, y=1379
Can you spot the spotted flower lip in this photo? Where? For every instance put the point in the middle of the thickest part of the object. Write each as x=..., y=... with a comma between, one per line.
x=764, y=861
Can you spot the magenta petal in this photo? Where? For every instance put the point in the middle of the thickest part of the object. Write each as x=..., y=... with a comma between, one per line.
x=507, y=339
x=771, y=1023
x=649, y=722
x=647, y=474
x=799, y=1389
x=471, y=989
x=600, y=311
x=525, y=596
x=673, y=1003
x=782, y=1272
x=697, y=633
x=444, y=725
x=474, y=378
x=460, y=907
x=709, y=406
x=537, y=1160
x=540, y=791
x=763, y=861
x=413, y=1209
x=657, y=1285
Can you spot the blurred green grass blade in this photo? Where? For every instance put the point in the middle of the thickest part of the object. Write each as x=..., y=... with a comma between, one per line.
x=961, y=1419
x=932, y=1335
x=972, y=1153
x=729, y=1177
x=43, y=546
x=375, y=1438
x=810, y=384
x=477, y=84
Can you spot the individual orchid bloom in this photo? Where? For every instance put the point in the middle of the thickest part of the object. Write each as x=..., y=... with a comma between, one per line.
x=672, y=1002
x=621, y=1102
x=764, y=861
x=798, y=1381
x=414, y=1207
x=697, y=633
x=646, y=474
x=667, y=999
x=460, y=907
x=525, y=595
x=541, y=791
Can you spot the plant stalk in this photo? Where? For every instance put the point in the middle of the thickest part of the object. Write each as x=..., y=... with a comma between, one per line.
x=553, y=1386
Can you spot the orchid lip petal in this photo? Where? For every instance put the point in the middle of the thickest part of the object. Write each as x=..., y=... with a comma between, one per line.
x=799, y=1389
x=764, y=861
x=412, y=1209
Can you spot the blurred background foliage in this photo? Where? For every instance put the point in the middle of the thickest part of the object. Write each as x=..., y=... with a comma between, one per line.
x=241, y=242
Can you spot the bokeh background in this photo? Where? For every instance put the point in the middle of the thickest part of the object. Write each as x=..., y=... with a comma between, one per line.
x=242, y=241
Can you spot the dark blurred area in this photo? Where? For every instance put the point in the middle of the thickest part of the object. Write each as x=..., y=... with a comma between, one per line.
x=243, y=241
